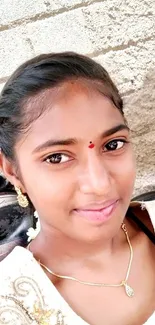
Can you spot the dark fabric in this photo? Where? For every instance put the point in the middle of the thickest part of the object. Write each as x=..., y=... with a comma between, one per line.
x=147, y=196
x=141, y=225
x=14, y=222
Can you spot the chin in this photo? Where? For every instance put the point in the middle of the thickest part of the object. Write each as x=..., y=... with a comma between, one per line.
x=98, y=233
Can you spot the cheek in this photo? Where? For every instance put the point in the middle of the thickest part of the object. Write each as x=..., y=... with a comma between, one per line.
x=123, y=171
x=47, y=189
x=126, y=173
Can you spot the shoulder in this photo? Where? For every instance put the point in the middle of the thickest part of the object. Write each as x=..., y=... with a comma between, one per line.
x=14, y=259
x=18, y=263
x=25, y=297
x=19, y=286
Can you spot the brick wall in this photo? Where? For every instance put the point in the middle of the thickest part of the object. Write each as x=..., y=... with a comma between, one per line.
x=120, y=34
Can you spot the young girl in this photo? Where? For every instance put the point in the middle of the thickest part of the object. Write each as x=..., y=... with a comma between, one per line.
x=66, y=149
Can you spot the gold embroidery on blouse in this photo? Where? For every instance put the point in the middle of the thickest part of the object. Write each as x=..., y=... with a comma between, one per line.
x=38, y=314
x=17, y=310
x=24, y=285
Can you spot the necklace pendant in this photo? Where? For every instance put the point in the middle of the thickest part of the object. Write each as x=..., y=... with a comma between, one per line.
x=129, y=291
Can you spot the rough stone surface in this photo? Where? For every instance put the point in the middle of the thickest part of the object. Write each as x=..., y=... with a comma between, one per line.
x=66, y=31
x=46, y=35
x=15, y=49
x=12, y=10
x=120, y=34
x=23, y=11
x=140, y=113
x=120, y=23
x=128, y=67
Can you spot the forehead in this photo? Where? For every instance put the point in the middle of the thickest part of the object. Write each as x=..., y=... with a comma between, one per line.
x=73, y=110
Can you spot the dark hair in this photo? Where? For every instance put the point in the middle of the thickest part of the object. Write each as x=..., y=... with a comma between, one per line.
x=42, y=72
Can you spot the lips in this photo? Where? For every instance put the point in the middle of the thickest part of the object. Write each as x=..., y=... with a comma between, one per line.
x=97, y=212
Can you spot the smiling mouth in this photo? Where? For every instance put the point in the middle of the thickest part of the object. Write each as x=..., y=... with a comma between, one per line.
x=97, y=213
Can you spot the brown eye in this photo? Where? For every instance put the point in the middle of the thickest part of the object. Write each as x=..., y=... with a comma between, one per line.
x=114, y=145
x=57, y=158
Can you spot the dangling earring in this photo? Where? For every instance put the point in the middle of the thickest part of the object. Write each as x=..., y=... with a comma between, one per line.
x=21, y=198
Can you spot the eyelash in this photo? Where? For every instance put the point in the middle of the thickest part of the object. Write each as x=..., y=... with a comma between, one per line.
x=123, y=141
x=58, y=155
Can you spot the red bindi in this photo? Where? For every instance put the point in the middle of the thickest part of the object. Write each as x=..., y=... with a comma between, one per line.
x=91, y=145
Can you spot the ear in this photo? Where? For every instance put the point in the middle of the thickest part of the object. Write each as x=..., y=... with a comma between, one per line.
x=10, y=172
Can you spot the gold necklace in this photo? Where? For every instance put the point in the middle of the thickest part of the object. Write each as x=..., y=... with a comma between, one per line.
x=129, y=291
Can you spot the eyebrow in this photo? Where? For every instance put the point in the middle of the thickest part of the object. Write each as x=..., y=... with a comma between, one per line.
x=72, y=141
x=114, y=130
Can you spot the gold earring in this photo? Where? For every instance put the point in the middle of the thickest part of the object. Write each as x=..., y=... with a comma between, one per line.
x=21, y=198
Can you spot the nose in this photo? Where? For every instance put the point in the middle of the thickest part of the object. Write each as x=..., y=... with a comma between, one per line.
x=95, y=177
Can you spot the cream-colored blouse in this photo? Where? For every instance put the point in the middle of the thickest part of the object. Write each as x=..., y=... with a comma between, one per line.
x=27, y=296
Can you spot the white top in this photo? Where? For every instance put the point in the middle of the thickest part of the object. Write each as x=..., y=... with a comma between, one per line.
x=28, y=297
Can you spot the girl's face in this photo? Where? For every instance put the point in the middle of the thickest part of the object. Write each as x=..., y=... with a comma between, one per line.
x=80, y=191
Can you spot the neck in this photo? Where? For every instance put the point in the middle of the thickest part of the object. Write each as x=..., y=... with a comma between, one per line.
x=54, y=246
